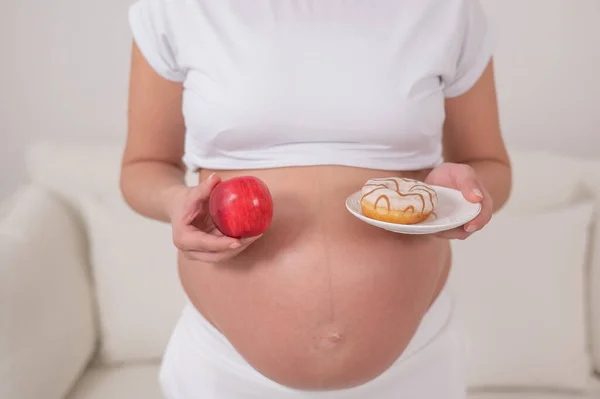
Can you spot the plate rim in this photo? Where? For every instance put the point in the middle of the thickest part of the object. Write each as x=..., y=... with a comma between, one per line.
x=414, y=228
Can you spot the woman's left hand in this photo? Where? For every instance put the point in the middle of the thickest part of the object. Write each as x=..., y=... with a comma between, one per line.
x=462, y=177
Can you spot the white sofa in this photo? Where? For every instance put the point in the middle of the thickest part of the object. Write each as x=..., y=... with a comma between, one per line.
x=89, y=290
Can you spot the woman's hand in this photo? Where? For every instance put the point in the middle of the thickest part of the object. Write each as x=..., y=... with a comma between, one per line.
x=194, y=233
x=462, y=177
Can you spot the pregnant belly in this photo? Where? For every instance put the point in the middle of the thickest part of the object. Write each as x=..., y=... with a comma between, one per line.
x=322, y=300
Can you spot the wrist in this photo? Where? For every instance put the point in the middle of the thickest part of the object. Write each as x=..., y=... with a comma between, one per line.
x=169, y=197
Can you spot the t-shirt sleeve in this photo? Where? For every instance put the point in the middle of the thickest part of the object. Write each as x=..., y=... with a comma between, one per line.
x=474, y=52
x=152, y=31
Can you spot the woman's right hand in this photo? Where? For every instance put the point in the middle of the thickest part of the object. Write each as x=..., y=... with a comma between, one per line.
x=194, y=233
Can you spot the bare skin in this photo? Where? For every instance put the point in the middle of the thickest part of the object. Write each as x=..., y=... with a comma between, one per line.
x=321, y=300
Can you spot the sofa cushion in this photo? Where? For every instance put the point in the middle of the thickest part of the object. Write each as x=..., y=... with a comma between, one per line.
x=534, y=395
x=520, y=289
x=137, y=284
x=545, y=169
x=47, y=332
x=560, y=180
x=125, y=382
x=591, y=176
x=133, y=259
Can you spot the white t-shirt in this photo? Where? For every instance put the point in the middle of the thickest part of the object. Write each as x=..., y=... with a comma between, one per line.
x=272, y=83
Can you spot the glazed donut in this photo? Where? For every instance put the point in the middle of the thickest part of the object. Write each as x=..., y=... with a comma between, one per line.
x=398, y=200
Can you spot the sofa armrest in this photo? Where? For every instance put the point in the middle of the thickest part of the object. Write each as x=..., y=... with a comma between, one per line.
x=47, y=331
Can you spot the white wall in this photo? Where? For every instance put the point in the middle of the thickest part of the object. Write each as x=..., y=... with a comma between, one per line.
x=548, y=56
x=63, y=73
x=64, y=70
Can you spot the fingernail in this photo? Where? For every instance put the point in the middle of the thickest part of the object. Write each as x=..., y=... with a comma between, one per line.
x=235, y=245
x=478, y=193
x=211, y=176
x=470, y=229
x=250, y=239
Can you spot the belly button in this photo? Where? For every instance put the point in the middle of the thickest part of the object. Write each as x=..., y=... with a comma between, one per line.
x=330, y=340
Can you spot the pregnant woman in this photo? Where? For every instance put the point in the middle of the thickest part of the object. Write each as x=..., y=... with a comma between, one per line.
x=315, y=98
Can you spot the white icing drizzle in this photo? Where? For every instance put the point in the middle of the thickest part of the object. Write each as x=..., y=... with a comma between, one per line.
x=400, y=193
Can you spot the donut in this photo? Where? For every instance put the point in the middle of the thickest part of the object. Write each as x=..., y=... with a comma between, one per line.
x=398, y=200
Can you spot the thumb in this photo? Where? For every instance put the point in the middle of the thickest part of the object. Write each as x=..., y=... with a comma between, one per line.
x=198, y=195
x=201, y=192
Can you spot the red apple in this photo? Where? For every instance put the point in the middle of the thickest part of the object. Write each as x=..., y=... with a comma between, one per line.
x=241, y=207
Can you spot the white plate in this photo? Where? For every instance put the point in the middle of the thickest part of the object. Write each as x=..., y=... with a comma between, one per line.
x=453, y=210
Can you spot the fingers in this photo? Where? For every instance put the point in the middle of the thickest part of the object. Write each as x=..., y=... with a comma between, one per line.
x=212, y=257
x=196, y=240
x=458, y=233
x=483, y=218
x=467, y=183
x=218, y=256
x=463, y=232
x=249, y=240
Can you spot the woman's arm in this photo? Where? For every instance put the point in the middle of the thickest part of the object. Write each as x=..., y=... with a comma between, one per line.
x=472, y=136
x=152, y=173
x=151, y=166
x=476, y=159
